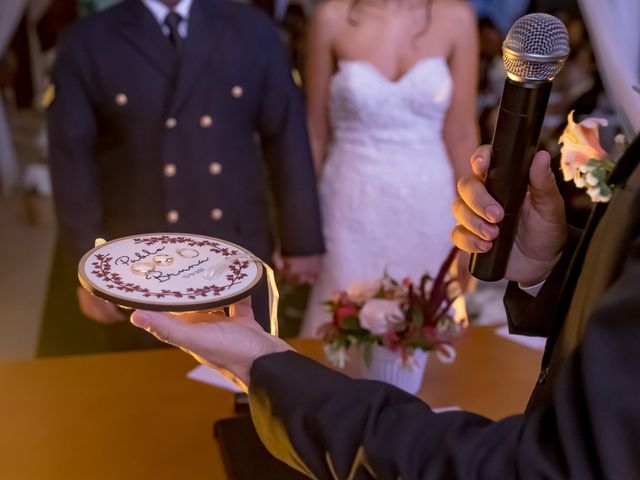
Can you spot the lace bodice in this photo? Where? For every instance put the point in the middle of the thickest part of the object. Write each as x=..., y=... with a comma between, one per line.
x=366, y=108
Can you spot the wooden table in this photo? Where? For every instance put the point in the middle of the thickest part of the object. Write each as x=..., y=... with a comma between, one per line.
x=136, y=416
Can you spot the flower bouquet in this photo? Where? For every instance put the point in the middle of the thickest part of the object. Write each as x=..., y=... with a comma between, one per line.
x=583, y=159
x=397, y=320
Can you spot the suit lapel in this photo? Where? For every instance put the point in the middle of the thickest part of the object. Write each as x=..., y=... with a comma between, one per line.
x=626, y=164
x=206, y=35
x=624, y=167
x=142, y=32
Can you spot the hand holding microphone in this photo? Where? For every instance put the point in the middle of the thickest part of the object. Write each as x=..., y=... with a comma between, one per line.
x=534, y=51
x=541, y=230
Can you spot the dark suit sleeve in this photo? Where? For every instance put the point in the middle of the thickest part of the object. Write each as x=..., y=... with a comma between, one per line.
x=72, y=138
x=527, y=315
x=331, y=427
x=286, y=150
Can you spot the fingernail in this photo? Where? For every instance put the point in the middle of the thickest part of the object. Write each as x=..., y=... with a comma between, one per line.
x=477, y=161
x=484, y=246
x=493, y=213
x=489, y=233
x=140, y=319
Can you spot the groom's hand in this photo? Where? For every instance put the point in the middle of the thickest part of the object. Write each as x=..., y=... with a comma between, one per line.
x=303, y=269
x=541, y=231
x=97, y=309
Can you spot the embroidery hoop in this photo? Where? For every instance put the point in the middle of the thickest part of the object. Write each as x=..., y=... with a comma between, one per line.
x=222, y=274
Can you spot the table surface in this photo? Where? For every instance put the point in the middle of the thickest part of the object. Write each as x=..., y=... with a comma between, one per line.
x=136, y=415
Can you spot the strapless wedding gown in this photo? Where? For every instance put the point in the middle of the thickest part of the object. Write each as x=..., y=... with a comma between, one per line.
x=387, y=184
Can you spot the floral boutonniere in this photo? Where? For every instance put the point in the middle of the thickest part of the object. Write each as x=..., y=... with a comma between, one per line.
x=583, y=159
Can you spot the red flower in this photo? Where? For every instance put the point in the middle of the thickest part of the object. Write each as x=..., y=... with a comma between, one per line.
x=344, y=311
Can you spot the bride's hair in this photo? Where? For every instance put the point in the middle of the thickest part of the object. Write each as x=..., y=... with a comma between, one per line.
x=427, y=23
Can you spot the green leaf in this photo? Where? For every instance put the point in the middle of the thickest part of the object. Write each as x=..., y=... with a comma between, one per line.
x=605, y=190
x=416, y=316
x=350, y=323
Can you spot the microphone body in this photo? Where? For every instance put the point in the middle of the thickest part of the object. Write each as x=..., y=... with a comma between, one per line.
x=514, y=145
x=533, y=52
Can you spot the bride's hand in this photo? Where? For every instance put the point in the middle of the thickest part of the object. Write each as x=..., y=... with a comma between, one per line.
x=541, y=231
x=228, y=344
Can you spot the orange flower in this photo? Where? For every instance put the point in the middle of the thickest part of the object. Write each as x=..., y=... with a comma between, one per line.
x=580, y=143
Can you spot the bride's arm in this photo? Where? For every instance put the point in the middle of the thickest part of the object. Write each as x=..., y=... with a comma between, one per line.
x=319, y=67
x=460, y=130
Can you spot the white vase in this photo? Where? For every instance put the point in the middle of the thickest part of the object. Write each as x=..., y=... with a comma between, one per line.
x=387, y=366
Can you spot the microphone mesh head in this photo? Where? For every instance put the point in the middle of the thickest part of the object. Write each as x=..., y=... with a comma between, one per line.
x=535, y=48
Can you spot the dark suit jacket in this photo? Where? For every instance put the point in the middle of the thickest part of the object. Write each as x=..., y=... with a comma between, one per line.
x=582, y=423
x=137, y=133
x=144, y=141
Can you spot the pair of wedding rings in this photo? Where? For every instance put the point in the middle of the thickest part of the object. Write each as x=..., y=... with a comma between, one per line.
x=145, y=267
x=161, y=260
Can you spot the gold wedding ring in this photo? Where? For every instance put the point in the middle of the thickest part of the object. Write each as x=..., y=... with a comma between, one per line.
x=143, y=268
x=163, y=260
x=188, y=252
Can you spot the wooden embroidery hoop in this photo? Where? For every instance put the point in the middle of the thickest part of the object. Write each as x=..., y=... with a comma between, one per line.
x=184, y=287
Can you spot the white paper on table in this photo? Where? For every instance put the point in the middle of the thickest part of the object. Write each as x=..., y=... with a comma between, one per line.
x=536, y=343
x=450, y=408
x=211, y=377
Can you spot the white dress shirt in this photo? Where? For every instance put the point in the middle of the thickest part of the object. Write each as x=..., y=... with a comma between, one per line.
x=160, y=11
x=533, y=290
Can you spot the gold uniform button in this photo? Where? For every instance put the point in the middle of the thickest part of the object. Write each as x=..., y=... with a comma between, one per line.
x=216, y=214
x=169, y=170
x=173, y=216
x=170, y=122
x=121, y=99
x=215, y=168
x=297, y=78
x=206, y=121
x=237, y=91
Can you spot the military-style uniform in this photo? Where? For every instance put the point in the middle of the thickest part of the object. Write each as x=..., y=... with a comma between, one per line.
x=145, y=138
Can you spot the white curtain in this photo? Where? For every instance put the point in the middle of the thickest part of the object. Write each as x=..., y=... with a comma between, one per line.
x=11, y=12
x=615, y=38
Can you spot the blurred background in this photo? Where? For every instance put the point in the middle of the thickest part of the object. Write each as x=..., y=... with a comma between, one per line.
x=29, y=33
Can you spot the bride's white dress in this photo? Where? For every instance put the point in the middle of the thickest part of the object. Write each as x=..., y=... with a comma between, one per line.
x=387, y=184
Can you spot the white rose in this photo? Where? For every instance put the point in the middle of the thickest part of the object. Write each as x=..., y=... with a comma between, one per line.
x=378, y=315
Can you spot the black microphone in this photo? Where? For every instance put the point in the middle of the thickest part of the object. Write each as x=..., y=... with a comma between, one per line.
x=533, y=52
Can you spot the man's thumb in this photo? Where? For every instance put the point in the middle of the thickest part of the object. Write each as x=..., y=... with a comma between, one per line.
x=162, y=326
x=542, y=182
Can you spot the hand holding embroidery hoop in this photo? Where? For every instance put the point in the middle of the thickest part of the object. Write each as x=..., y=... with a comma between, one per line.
x=174, y=272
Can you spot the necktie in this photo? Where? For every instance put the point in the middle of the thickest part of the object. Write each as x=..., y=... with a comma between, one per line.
x=172, y=21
